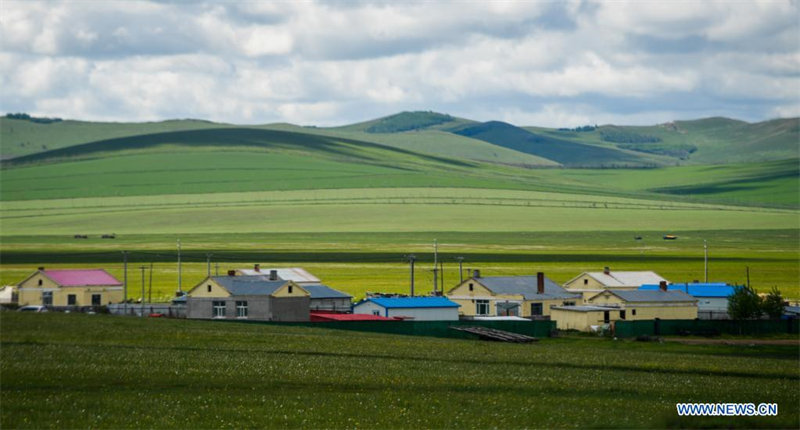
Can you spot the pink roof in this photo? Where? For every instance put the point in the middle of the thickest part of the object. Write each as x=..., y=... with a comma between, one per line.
x=81, y=277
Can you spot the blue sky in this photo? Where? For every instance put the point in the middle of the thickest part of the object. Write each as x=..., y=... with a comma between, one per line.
x=556, y=64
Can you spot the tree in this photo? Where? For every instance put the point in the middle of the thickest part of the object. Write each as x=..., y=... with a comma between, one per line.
x=773, y=304
x=744, y=304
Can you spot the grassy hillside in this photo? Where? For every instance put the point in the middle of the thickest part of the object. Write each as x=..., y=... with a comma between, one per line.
x=559, y=150
x=70, y=370
x=407, y=121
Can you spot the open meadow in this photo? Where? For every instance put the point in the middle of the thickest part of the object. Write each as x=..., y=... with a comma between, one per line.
x=66, y=371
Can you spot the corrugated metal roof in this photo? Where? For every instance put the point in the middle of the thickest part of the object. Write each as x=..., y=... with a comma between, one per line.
x=585, y=308
x=321, y=317
x=81, y=277
x=526, y=286
x=325, y=292
x=652, y=296
x=626, y=279
x=412, y=302
x=248, y=285
x=295, y=274
x=716, y=289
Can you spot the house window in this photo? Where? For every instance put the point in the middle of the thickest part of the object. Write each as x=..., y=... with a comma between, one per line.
x=569, y=303
x=536, y=309
x=71, y=300
x=606, y=318
x=290, y=289
x=218, y=308
x=47, y=298
x=241, y=309
x=96, y=299
x=481, y=307
x=470, y=286
x=376, y=312
x=585, y=282
x=633, y=312
x=209, y=288
x=622, y=315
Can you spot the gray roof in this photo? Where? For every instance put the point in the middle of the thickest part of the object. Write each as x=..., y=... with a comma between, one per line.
x=526, y=285
x=653, y=296
x=586, y=308
x=248, y=285
x=325, y=292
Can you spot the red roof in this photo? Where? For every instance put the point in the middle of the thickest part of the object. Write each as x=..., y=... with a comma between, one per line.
x=326, y=316
x=81, y=277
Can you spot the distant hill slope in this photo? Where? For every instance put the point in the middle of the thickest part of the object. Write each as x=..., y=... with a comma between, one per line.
x=407, y=121
x=560, y=150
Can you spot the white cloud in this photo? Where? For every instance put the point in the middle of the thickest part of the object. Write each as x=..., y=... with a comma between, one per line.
x=535, y=63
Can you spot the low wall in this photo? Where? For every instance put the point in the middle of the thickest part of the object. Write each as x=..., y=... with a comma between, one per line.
x=704, y=327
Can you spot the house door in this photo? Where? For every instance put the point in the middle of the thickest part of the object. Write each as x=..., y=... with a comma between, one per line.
x=47, y=298
x=606, y=318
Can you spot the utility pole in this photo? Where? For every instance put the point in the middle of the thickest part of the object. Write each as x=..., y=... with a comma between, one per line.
x=180, y=290
x=441, y=274
x=216, y=265
x=125, y=282
x=142, y=267
x=460, y=270
x=435, y=267
x=150, y=288
x=208, y=264
x=411, y=259
x=705, y=252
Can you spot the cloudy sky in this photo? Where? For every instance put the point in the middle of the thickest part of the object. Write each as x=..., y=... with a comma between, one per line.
x=331, y=63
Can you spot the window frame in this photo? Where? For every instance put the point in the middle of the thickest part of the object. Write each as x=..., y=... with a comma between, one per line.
x=482, y=303
x=218, y=309
x=242, y=310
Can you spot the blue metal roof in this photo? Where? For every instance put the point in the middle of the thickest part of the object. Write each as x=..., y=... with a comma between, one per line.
x=710, y=289
x=413, y=302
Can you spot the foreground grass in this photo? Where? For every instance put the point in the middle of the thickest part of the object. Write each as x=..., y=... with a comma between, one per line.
x=69, y=371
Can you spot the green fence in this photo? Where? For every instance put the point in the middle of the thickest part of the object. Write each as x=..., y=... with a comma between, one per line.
x=432, y=328
x=704, y=327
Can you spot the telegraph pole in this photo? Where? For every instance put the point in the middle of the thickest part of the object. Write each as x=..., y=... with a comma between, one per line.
x=208, y=265
x=435, y=265
x=441, y=274
x=180, y=290
x=216, y=265
x=460, y=270
x=411, y=259
x=705, y=252
x=150, y=288
x=125, y=282
x=142, y=267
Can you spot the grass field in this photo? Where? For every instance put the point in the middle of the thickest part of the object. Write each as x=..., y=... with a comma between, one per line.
x=66, y=371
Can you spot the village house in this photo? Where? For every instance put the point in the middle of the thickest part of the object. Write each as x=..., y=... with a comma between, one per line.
x=632, y=305
x=520, y=296
x=323, y=297
x=591, y=283
x=70, y=287
x=247, y=297
x=411, y=308
x=712, y=298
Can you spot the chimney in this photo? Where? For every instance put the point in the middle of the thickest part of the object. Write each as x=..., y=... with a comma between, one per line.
x=476, y=273
x=540, y=282
x=662, y=285
x=257, y=268
x=273, y=275
x=231, y=273
x=41, y=268
x=606, y=270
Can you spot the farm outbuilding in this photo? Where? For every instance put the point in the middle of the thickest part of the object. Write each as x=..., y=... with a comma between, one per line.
x=8, y=294
x=325, y=298
x=712, y=298
x=591, y=283
x=70, y=287
x=247, y=297
x=413, y=308
x=584, y=318
x=520, y=296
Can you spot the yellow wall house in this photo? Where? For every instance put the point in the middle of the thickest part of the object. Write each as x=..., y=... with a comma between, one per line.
x=70, y=287
x=591, y=283
x=612, y=305
x=522, y=296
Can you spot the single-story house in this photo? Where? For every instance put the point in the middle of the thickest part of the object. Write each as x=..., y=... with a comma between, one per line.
x=247, y=297
x=70, y=287
x=712, y=297
x=521, y=296
x=325, y=298
x=415, y=308
x=612, y=305
x=591, y=283
x=8, y=294
x=295, y=274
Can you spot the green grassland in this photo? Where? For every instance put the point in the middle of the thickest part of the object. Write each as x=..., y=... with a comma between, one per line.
x=66, y=371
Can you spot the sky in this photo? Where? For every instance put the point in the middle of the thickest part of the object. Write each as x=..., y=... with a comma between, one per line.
x=327, y=63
